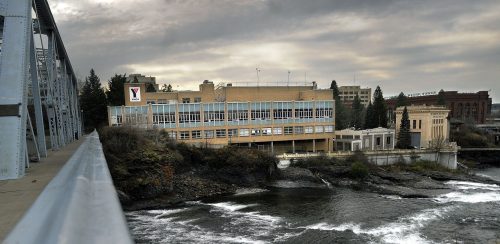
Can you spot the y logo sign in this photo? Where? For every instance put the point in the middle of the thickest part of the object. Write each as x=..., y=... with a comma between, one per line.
x=135, y=94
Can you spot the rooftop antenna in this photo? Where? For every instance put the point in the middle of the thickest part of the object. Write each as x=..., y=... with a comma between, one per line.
x=258, y=78
x=288, y=84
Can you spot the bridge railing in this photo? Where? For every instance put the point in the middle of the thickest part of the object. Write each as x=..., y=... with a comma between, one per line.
x=79, y=205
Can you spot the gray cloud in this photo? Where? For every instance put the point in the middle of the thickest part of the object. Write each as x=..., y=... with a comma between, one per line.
x=409, y=46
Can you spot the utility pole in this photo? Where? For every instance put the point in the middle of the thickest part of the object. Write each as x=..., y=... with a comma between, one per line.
x=288, y=84
x=258, y=78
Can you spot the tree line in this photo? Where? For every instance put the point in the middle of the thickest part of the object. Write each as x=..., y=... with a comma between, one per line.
x=357, y=116
x=94, y=99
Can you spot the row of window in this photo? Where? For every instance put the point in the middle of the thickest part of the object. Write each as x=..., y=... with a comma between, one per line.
x=245, y=132
x=241, y=115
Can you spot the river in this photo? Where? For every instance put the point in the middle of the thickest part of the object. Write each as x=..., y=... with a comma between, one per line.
x=468, y=214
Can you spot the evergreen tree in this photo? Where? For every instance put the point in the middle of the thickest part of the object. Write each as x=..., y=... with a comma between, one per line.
x=115, y=93
x=150, y=87
x=404, y=138
x=441, y=99
x=369, y=116
x=341, y=113
x=93, y=102
x=402, y=100
x=357, y=113
x=379, y=109
x=166, y=88
x=335, y=89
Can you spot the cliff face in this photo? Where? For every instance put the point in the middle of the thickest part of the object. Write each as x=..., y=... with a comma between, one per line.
x=151, y=171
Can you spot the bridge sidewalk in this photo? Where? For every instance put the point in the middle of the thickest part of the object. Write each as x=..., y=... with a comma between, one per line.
x=16, y=196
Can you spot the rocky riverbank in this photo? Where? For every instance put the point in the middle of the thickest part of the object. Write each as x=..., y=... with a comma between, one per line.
x=152, y=172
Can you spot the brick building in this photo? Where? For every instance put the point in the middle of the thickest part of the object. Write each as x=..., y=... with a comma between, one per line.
x=464, y=107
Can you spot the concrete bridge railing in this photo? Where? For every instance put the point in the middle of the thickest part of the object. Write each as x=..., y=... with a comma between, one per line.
x=79, y=205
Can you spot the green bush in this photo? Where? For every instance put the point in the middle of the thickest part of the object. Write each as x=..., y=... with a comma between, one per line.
x=359, y=170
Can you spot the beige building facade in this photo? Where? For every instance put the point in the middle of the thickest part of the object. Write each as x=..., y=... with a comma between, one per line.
x=280, y=119
x=348, y=93
x=365, y=140
x=428, y=124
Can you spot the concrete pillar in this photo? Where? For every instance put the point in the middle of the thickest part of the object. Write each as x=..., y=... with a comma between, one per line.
x=272, y=147
x=314, y=145
x=293, y=146
x=373, y=142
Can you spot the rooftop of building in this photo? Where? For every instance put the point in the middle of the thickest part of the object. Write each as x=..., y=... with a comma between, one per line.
x=352, y=131
x=422, y=107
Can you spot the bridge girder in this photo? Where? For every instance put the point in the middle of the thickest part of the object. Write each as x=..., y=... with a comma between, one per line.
x=35, y=75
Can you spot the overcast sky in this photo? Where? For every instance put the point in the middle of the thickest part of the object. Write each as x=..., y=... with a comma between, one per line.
x=409, y=46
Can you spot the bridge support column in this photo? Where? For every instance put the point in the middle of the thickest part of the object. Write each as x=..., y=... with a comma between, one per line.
x=293, y=146
x=14, y=74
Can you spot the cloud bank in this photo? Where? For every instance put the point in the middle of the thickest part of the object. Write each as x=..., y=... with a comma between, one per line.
x=409, y=46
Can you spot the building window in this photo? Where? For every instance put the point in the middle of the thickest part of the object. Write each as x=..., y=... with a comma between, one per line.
x=303, y=110
x=267, y=131
x=188, y=117
x=183, y=135
x=186, y=100
x=162, y=101
x=298, y=129
x=256, y=132
x=282, y=113
x=329, y=128
x=414, y=124
x=197, y=99
x=172, y=135
x=260, y=114
x=220, y=133
x=237, y=115
x=150, y=101
x=420, y=124
x=308, y=129
x=209, y=134
x=244, y=132
x=388, y=140
x=166, y=118
x=277, y=131
x=318, y=129
x=324, y=113
x=378, y=141
x=232, y=132
x=288, y=130
x=196, y=134
x=211, y=116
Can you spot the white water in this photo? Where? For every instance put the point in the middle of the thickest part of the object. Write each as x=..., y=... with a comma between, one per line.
x=404, y=230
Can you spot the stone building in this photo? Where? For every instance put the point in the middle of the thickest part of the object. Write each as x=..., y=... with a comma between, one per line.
x=429, y=125
x=464, y=107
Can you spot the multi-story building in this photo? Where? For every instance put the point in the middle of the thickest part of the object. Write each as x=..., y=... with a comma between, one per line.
x=364, y=140
x=429, y=125
x=348, y=93
x=277, y=118
x=464, y=107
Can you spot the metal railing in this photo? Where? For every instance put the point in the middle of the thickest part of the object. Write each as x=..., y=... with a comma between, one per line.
x=79, y=205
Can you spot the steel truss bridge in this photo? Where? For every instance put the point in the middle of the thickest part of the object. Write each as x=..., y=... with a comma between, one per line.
x=38, y=92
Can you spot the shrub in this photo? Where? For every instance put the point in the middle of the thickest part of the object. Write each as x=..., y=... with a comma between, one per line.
x=359, y=170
